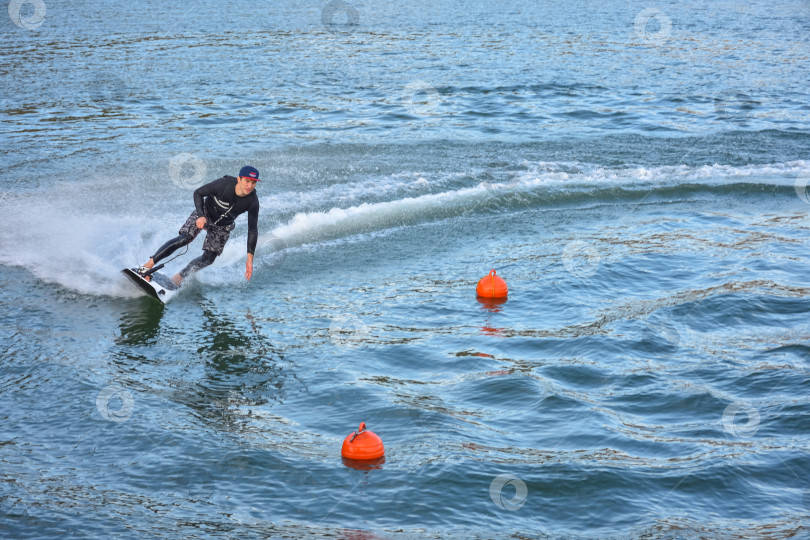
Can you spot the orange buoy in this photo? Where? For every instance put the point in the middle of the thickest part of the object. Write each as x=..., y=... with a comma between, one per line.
x=492, y=286
x=362, y=445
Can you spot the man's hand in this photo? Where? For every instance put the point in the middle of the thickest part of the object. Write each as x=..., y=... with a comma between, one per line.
x=201, y=221
x=249, y=266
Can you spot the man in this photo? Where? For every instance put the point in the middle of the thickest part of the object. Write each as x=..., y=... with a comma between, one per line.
x=216, y=207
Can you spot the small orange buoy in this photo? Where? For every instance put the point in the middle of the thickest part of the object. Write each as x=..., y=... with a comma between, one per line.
x=492, y=286
x=362, y=445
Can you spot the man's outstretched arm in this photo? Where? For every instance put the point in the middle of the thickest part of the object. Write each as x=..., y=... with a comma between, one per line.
x=252, y=237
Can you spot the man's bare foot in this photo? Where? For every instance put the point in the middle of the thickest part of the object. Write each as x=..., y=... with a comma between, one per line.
x=177, y=279
x=141, y=270
x=149, y=264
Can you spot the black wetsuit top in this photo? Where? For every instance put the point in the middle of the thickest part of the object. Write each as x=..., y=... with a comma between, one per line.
x=220, y=204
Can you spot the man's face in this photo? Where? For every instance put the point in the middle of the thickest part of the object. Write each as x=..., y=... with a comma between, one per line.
x=246, y=184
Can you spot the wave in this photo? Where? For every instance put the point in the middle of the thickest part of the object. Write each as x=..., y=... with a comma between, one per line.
x=83, y=249
x=539, y=184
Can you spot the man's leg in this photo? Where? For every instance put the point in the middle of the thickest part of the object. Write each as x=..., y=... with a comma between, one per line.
x=215, y=240
x=168, y=248
x=187, y=233
x=202, y=261
x=165, y=250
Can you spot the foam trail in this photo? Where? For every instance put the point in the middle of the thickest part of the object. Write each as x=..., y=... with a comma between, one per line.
x=536, y=178
x=315, y=227
x=85, y=250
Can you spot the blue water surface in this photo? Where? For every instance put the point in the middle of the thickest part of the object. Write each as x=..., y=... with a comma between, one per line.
x=636, y=173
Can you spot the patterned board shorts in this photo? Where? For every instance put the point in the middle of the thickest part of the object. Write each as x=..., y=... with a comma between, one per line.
x=215, y=237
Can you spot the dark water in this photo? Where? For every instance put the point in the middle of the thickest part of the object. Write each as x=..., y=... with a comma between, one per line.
x=638, y=177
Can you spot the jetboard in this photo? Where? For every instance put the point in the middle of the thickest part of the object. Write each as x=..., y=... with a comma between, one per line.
x=161, y=287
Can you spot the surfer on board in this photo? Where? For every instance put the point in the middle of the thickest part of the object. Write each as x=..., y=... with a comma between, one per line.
x=216, y=207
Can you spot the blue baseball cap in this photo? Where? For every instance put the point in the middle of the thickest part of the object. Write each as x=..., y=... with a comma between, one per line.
x=249, y=172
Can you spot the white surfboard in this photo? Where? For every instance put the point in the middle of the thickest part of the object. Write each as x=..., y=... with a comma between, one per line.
x=160, y=287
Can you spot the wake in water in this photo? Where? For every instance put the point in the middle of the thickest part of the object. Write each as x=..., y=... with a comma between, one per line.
x=540, y=184
x=85, y=250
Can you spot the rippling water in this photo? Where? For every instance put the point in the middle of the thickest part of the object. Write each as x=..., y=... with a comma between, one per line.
x=638, y=175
